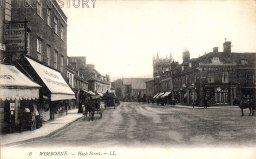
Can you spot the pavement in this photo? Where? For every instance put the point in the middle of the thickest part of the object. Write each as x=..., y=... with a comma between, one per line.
x=49, y=128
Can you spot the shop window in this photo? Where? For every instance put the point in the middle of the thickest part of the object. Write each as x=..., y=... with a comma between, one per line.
x=39, y=48
x=225, y=78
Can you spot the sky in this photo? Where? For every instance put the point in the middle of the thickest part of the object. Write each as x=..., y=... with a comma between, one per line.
x=120, y=37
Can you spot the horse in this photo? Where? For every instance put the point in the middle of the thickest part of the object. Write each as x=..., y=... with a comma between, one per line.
x=246, y=103
x=89, y=109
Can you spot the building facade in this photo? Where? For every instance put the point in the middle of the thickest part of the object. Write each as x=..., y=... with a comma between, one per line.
x=130, y=89
x=219, y=77
x=5, y=16
x=86, y=76
x=75, y=76
x=150, y=91
x=46, y=31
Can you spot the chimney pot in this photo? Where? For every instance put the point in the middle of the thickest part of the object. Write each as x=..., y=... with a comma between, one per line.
x=215, y=49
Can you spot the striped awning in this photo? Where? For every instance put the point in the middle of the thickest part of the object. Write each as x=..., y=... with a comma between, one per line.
x=53, y=80
x=159, y=95
x=15, y=85
x=165, y=94
x=155, y=95
x=89, y=92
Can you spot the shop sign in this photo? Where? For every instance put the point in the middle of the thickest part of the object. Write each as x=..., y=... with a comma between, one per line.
x=12, y=106
x=15, y=36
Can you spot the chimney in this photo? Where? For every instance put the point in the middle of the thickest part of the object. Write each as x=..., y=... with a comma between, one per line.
x=215, y=49
x=227, y=47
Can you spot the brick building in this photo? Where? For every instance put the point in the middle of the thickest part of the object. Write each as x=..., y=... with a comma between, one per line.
x=76, y=77
x=221, y=77
x=5, y=16
x=46, y=31
x=86, y=76
x=43, y=57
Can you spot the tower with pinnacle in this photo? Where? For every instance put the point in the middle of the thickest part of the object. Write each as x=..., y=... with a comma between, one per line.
x=160, y=65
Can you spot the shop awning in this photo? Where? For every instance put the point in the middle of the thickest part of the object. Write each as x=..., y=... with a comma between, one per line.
x=165, y=94
x=159, y=95
x=155, y=95
x=89, y=92
x=15, y=85
x=100, y=94
x=54, y=81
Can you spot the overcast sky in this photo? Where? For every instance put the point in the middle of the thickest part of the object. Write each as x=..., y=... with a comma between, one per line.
x=120, y=37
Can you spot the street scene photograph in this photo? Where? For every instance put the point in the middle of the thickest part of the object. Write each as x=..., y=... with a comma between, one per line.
x=121, y=79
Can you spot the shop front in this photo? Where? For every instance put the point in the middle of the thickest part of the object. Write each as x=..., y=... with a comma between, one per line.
x=17, y=93
x=220, y=94
x=55, y=94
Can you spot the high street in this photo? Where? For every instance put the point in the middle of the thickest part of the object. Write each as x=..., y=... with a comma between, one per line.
x=135, y=124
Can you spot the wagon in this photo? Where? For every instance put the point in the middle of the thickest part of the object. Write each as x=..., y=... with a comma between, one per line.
x=90, y=104
x=110, y=100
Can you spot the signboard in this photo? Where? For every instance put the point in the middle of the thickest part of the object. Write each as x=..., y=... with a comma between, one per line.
x=12, y=106
x=15, y=36
x=2, y=47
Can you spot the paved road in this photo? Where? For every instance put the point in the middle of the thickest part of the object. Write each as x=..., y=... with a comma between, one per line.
x=133, y=124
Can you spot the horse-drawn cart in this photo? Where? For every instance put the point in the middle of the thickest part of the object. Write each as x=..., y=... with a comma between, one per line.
x=110, y=100
x=91, y=104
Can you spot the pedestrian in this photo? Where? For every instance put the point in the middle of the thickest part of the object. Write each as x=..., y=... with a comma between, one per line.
x=205, y=102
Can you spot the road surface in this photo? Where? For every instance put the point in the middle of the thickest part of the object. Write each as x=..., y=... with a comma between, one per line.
x=136, y=124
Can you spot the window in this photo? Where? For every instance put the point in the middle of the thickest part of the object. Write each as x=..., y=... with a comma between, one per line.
x=28, y=42
x=48, y=16
x=62, y=32
x=55, y=60
x=39, y=49
x=211, y=77
x=243, y=62
x=48, y=54
x=225, y=77
x=55, y=20
x=39, y=7
x=61, y=63
x=70, y=79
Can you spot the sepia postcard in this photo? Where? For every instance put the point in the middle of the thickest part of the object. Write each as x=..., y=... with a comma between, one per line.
x=128, y=79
